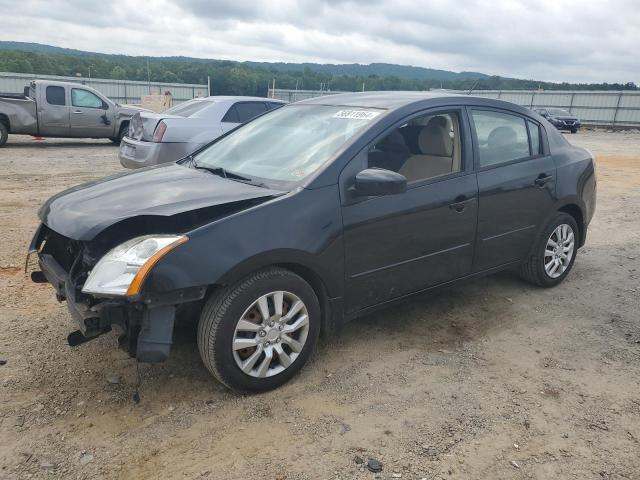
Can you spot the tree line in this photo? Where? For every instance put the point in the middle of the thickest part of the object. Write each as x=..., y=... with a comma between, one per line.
x=237, y=78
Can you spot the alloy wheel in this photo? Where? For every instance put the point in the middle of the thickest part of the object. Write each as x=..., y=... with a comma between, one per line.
x=559, y=250
x=270, y=334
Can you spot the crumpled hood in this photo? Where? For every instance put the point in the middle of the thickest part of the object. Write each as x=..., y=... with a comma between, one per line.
x=82, y=212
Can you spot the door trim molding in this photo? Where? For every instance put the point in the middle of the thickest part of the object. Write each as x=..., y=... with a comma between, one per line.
x=404, y=262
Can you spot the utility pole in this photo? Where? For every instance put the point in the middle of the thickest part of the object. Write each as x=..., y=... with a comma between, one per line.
x=208, y=86
x=363, y=86
x=148, y=77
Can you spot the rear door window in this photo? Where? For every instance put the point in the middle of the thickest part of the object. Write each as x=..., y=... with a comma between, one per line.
x=501, y=137
x=55, y=95
x=231, y=116
x=248, y=110
x=534, y=134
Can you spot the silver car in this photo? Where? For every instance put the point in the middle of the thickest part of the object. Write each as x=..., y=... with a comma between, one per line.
x=155, y=138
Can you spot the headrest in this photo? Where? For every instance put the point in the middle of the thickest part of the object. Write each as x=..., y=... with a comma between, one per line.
x=394, y=142
x=434, y=138
x=502, y=136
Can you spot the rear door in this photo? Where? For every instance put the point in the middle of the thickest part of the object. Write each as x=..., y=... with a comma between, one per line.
x=53, y=111
x=90, y=115
x=516, y=181
x=399, y=244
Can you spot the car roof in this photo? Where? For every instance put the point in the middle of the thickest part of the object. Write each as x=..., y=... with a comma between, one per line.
x=237, y=98
x=395, y=100
x=384, y=99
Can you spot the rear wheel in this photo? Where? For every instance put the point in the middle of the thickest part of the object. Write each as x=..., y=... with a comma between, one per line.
x=4, y=134
x=257, y=334
x=554, y=254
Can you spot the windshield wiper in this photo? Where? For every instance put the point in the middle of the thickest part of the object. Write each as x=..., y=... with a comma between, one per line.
x=227, y=174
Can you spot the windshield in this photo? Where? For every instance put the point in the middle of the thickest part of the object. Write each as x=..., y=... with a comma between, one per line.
x=186, y=109
x=288, y=144
x=558, y=111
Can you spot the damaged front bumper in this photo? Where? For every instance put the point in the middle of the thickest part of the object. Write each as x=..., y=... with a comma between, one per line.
x=144, y=323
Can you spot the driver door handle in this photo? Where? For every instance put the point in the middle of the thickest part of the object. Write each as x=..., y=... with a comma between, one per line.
x=543, y=179
x=461, y=204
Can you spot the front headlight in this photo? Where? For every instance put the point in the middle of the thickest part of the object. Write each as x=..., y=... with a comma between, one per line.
x=123, y=269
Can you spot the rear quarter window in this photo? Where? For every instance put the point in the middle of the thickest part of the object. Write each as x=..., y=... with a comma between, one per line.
x=55, y=95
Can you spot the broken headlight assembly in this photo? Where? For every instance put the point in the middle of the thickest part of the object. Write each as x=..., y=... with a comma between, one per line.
x=123, y=269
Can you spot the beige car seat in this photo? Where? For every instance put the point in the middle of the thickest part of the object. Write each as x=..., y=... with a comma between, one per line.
x=437, y=156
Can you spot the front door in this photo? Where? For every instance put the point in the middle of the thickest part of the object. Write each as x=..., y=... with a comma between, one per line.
x=90, y=115
x=516, y=181
x=399, y=244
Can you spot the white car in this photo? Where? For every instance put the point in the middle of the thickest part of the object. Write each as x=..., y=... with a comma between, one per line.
x=155, y=138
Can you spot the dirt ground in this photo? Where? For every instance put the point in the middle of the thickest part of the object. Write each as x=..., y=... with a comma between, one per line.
x=493, y=379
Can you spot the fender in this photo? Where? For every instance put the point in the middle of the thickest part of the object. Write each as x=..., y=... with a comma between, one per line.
x=222, y=252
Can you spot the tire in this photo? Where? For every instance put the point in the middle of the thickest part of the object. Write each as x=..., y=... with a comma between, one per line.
x=219, y=329
x=4, y=134
x=574, y=130
x=534, y=271
x=121, y=133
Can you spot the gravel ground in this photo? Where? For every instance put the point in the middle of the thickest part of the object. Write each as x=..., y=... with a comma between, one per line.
x=488, y=380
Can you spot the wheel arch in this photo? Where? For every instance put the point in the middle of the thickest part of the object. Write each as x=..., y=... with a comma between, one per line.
x=576, y=212
x=4, y=119
x=305, y=270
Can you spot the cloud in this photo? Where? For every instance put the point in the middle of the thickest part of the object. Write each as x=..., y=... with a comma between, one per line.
x=547, y=40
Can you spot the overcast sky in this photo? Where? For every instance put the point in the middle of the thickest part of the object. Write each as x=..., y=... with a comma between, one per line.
x=556, y=40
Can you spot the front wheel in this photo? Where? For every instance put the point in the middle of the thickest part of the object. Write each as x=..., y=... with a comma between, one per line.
x=554, y=254
x=124, y=128
x=257, y=334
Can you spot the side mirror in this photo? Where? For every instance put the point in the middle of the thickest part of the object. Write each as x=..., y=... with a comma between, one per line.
x=105, y=105
x=378, y=182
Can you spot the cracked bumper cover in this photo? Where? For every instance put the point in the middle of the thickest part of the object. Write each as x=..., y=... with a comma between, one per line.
x=146, y=324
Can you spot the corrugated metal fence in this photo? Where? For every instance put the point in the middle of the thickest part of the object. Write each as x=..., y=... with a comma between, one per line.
x=598, y=108
x=296, y=95
x=603, y=108
x=121, y=91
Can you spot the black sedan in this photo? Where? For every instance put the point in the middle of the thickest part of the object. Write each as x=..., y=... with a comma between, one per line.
x=561, y=119
x=310, y=216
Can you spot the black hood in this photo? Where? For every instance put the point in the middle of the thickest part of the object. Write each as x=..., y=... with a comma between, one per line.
x=84, y=211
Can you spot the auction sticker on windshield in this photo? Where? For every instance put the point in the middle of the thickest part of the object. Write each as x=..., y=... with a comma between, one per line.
x=357, y=114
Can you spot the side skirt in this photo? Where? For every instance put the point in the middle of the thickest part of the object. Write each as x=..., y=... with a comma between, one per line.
x=387, y=303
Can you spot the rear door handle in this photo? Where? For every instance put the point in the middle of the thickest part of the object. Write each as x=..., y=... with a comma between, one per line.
x=543, y=179
x=460, y=205
x=77, y=111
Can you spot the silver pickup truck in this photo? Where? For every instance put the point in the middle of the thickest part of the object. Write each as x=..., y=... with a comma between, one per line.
x=63, y=109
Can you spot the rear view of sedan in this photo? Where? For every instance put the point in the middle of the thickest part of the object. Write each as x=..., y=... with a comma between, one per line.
x=155, y=138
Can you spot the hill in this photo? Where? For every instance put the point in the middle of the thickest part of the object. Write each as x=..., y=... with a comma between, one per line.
x=252, y=78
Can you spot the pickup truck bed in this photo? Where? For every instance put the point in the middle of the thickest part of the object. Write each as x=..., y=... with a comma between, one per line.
x=21, y=113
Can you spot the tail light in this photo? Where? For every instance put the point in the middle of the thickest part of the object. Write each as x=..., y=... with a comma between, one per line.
x=159, y=132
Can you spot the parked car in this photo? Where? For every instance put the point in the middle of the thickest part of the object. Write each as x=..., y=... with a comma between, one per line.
x=305, y=218
x=155, y=138
x=63, y=109
x=561, y=119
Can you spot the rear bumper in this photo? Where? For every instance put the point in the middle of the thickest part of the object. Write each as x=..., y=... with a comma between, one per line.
x=138, y=154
